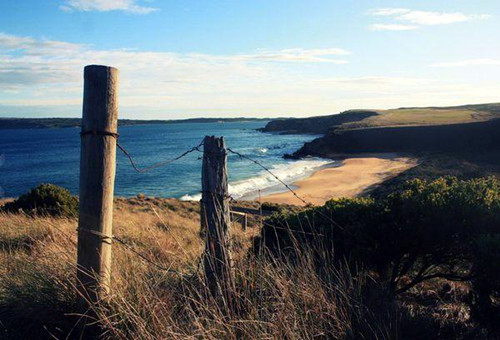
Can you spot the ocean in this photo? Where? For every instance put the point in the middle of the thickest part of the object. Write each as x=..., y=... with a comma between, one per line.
x=29, y=157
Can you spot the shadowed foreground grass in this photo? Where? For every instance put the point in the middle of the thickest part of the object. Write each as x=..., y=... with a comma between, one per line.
x=274, y=299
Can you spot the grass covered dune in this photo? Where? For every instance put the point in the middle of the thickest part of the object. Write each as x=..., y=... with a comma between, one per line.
x=420, y=262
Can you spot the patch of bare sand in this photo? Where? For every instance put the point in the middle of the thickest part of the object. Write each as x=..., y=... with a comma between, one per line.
x=350, y=179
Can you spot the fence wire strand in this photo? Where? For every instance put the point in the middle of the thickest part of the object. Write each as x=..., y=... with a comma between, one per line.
x=130, y=248
x=270, y=172
x=159, y=164
x=284, y=184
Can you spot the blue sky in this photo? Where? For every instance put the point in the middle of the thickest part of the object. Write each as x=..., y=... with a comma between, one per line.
x=267, y=58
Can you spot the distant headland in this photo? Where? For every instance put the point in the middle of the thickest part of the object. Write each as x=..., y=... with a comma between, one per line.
x=428, y=129
x=53, y=123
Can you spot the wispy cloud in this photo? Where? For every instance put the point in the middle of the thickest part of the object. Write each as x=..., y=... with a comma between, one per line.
x=129, y=6
x=35, y=47
x=298, y=55
x=392, y=27
x=470, y=62
x=437, y=18
x=412, y=19
x=387, y=11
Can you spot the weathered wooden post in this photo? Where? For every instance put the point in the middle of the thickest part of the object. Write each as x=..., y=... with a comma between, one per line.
x=97, y=179
x=215, y=201
x=203, y=220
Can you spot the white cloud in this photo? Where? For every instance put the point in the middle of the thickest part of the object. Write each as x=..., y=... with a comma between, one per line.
x=34, y=47
x=387, y=11
x=298, y=55
x=415, y=18
x=379, y=80
x=471, y=62
x=129, y=6
x=392, y=27
x=437, y=18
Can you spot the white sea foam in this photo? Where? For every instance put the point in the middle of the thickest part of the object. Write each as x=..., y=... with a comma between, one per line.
x=195, y=197
x=288, y=172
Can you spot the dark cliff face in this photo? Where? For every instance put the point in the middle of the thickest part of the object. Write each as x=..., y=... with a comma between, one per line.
x=316, y=125
x=470, y=137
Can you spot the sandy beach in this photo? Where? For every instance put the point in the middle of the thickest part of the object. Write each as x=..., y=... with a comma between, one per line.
x=350, y=179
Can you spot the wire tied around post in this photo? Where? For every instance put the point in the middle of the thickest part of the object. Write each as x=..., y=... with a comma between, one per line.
x=99, y=133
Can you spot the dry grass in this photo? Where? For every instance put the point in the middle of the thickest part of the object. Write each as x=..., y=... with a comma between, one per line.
x=274, y=300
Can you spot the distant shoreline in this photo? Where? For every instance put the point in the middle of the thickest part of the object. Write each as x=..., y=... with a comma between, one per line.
x=56, y=123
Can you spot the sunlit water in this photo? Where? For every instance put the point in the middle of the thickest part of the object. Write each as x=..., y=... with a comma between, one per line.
x=29, y=157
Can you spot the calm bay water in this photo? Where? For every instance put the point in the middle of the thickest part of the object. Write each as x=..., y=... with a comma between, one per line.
x=29, y=157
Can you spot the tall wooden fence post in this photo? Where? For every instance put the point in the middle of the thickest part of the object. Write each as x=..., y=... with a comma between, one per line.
x=215, y=201
x=97, y=179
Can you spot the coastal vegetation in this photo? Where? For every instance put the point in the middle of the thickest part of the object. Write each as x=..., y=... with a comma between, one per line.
x=425, y=234
x=46, y=199
x=420, y=261
x=168, y=299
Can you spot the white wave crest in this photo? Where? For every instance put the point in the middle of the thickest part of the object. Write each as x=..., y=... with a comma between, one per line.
x=287, y=172
x=195, y=197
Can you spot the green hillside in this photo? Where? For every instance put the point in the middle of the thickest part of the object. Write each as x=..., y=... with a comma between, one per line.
x=428, y=116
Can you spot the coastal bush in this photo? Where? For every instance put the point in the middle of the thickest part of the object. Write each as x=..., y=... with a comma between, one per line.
x=485, y=301
x=425, y=231
x=46, y=199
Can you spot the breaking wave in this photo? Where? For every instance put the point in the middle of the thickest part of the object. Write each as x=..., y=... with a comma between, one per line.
x=287, y=172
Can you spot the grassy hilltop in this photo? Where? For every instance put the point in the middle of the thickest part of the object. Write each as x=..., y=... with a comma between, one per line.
x=356, y=119
x=429, y=116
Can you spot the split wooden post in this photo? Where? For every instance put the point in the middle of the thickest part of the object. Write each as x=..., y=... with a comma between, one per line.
x=97, y=179
x=215, y=201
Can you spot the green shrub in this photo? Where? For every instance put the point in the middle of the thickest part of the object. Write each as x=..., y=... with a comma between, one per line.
x=486, y=282
x=46, y=199
x=422, y=232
